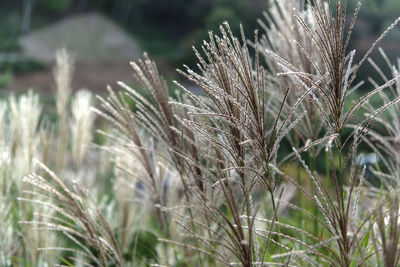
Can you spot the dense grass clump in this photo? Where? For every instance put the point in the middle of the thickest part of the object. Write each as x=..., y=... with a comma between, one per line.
x=274, y=164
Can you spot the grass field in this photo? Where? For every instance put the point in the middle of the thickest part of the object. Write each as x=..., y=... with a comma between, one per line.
x=280, y=161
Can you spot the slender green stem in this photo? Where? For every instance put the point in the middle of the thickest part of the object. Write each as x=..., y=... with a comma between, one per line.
x=311, y=165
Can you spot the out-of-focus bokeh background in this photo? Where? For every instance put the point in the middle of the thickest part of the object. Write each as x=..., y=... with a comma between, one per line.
x=104, y=35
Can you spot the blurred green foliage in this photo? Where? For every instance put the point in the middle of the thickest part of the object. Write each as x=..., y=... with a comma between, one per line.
x=22, y=65
x=5, y=78
x=58, y=6
x=380, y=13
x=166, y=29
x=144, y=246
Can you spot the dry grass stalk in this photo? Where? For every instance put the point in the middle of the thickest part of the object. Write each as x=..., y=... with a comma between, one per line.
x=232, y=122
x=62, y=76
x=76, y=217
x=81, y=124
x=332, y=84
x=285, y=36
x=117, y=111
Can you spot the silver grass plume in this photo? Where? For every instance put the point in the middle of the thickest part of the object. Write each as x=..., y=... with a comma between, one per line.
x=383, y=137
x=284, y=35
x=81, y=124
x=76, y=216
x=24, y=118
x=240, y=133
x=384, y=133
x=62, y=73
x=329, y=92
